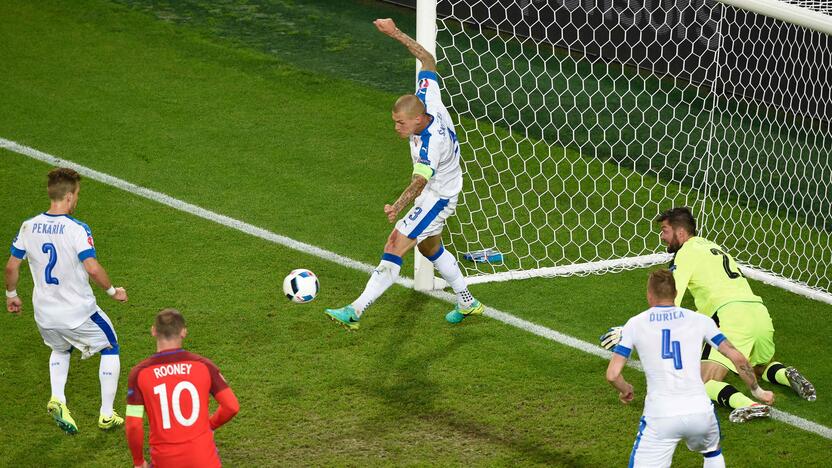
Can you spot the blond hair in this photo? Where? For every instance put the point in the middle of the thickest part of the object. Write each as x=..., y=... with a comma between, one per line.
x=662, y=285
x=410, y=105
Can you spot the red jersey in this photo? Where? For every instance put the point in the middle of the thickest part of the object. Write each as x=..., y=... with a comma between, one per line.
x=174, y=388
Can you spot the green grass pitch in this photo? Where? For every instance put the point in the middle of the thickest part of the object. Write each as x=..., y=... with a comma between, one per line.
x=283, y=121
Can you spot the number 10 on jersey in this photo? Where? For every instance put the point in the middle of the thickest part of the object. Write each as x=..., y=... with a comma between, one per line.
x=162, y=391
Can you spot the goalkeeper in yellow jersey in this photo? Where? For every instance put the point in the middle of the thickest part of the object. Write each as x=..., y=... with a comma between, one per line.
x=721, y=292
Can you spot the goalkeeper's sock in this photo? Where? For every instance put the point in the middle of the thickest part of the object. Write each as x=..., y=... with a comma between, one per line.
x=447, y=266
x=776, y=373
x=58, y=373
x=382, y=278
x=726, y=395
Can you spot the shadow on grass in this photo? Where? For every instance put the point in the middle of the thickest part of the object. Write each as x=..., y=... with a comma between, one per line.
x=401, y=380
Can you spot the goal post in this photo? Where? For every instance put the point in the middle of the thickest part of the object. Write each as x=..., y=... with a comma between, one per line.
x=424, y=278
x=792, y=13
x=580, y=120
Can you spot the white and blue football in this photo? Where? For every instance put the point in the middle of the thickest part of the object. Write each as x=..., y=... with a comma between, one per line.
x=301, y=286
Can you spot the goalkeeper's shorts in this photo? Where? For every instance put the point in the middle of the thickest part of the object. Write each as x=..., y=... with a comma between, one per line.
x=748, y=327
x=658, y=437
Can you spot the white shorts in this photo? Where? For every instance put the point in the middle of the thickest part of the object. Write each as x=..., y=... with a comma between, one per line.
x=94, y=335
x=427, y=217
x=657, y=438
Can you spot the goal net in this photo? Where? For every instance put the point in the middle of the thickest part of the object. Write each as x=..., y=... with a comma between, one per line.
x=581, y=120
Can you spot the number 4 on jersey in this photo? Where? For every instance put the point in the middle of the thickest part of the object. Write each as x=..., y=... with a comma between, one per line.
x=671, y=349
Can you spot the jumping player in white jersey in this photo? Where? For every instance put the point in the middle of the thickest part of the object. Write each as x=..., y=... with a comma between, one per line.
x=61, y=258
x=434, y=187
x=668, y=340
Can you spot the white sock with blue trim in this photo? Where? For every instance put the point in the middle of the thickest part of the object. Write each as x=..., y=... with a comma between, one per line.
x=382, y=278
x=58, y=373
x=717, y=461
x=447, y=266
x=108, y=372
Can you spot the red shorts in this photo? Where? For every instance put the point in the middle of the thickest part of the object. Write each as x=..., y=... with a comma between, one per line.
x=197, y=453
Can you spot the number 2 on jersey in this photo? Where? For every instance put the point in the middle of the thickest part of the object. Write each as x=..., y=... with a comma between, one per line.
x=162, y=391
x=671, y=349
x=53, y=259
x=726, y=264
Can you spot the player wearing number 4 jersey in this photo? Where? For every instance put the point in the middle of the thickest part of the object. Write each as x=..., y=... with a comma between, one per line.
x=721, y=292
x=62, y=258
x=434, y=187
x=173, y=387
x=668, y=339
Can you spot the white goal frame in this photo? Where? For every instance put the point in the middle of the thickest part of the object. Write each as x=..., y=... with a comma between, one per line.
x=791, y=13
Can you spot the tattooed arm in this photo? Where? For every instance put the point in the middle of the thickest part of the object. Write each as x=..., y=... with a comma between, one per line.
x=746, y=372
x=387, y=26
x=410, y=193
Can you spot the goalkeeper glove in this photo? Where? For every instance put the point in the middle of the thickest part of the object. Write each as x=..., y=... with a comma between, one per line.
x=611, y=337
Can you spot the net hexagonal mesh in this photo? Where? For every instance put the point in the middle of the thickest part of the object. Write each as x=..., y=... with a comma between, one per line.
x=580, y=120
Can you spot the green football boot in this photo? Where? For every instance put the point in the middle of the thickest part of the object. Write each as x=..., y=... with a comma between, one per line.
x=345, y=316
x=60, y=413
x=458, y=314
x=107, y=423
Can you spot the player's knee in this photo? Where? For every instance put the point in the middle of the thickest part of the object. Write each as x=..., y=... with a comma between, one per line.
x=760, y=369
x=429, y=251
x=111, y=351
x=713, y=371
x=398, y=244
x=392, y=239
x=393, y=249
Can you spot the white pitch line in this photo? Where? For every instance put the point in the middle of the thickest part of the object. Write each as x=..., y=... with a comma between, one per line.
x=303, y=247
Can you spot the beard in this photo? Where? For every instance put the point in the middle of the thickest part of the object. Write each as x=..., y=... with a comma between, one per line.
x=673, y=246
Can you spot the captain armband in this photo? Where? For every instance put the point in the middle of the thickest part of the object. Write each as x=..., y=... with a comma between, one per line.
x=423, y=170
x=136, y=411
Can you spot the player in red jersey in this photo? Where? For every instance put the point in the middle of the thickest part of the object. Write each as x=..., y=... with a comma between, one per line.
x=173, y=386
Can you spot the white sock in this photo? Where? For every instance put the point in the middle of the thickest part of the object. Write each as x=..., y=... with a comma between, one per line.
x=714, y=462
x=108, y=372
x=382, y=278
x=58, y=372
x=447, y=266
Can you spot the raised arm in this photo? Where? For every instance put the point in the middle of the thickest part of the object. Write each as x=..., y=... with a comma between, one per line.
x=745, y=371
x=387, y=26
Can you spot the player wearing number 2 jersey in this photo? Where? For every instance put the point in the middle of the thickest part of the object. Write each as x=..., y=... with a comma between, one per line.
x=722, y=293
x=62, y=258
x=173, y=387
x=668, y=339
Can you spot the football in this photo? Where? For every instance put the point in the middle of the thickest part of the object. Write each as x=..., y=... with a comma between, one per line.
x=301, y=286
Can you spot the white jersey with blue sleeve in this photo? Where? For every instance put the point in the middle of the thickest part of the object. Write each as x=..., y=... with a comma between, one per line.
x=669, y=340
x=437, y=146
x=56, y=246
